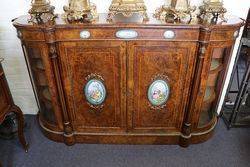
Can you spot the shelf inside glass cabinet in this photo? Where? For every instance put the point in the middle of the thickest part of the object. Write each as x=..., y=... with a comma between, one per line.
x=41, y=82
x=210, y=96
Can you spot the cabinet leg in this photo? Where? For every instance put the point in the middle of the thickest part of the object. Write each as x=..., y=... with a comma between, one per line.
x=186, y=135
x=20, y=119
x=184, y=141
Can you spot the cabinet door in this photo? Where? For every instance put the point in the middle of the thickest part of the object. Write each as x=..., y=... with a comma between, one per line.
x=94, y=76
x=159, y=81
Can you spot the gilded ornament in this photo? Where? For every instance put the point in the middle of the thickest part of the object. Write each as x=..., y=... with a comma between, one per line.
x=80, y=10
x=175, y=11
x=41, y=11
x=211, y=10
x=127, y=8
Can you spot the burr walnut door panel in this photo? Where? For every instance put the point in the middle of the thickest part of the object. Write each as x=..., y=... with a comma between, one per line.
x=159, y=80
x=94, y=78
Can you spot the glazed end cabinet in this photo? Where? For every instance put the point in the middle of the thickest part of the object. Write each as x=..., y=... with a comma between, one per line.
x=127, y=82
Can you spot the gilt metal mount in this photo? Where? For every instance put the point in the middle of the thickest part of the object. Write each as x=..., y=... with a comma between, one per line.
x=41, y=11
x=176, y=11
x=80, y=10
x=211, y=10
x=127, y=8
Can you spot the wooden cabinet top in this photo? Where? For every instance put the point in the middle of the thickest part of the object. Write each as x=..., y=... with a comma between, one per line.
x=60, y=22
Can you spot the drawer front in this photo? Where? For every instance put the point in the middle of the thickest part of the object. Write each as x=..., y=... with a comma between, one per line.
x=94, y=77
x=158, y=84
x=113, y=33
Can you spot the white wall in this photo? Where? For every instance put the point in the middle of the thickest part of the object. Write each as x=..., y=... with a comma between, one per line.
x=10, y=49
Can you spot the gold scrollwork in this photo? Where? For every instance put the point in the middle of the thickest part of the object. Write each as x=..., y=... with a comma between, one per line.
x=211, y=10
x=41, y=12
x=80, y=10
x=176, y=11
x=99, y=107
x=127, y=8
x=156, y=107
x=94, y=76
x=160, y=76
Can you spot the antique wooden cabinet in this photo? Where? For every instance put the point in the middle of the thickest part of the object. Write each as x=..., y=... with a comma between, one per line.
x=7, y=106
x=127, y=82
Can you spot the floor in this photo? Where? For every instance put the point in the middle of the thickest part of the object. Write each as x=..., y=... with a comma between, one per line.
x=226, y=148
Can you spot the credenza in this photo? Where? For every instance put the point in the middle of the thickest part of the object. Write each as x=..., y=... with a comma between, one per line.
x=127, y=82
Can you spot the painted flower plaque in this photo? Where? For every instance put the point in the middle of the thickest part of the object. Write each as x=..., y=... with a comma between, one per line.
x=95, y=92
x=158, y=92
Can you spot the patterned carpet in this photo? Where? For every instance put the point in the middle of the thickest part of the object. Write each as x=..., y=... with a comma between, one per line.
x=225, y=149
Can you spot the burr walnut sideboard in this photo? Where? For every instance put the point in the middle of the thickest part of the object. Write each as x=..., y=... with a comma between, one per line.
x=126, y=82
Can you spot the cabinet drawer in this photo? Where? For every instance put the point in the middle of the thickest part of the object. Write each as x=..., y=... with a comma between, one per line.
x=111, y=33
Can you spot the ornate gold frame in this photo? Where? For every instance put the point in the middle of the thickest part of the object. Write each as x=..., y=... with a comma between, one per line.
x=127, y=8
x=99, y=77
x=159, y=77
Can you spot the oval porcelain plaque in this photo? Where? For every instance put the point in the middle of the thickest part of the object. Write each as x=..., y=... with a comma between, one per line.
x=95, y=92
x=126, y=34
x=84, y=34
x=169, y=34
x=158, y=92
x=236, y=34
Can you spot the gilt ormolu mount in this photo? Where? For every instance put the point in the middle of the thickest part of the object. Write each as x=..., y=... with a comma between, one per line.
x=212, y=10
x=80, y=10
x=41, y=12
x=127, y=8
x=175, y=11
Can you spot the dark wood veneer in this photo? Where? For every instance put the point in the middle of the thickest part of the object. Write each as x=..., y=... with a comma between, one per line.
x=127, y=67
